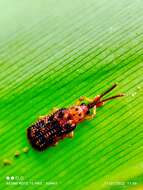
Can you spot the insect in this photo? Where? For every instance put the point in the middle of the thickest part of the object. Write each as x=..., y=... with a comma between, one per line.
x=49, y=129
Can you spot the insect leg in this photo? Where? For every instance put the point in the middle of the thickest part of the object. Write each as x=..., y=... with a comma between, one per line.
x=82, y=98
x=42, y=117
x=70, y=135
x=91, y=116
x=54, y=109
x=55, y=144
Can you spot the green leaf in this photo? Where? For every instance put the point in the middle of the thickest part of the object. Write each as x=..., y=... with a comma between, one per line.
x=53, y=52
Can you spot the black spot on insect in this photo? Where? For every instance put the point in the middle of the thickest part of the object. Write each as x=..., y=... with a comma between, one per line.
x=88, y=112
x=69, y=128
x=83, y=104
x=69, y=117
x=61, y=113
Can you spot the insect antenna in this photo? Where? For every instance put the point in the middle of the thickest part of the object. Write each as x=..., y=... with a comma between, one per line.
x=108, y=90
x=99, y=102
x=112, y=97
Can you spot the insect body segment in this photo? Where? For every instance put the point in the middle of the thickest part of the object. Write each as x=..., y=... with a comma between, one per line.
x=49, y=129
